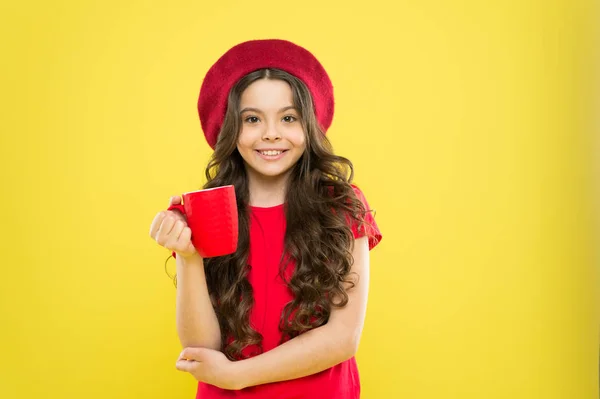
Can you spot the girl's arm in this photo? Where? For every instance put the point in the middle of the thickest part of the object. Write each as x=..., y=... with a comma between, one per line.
x=197, y=324
x=320, y=348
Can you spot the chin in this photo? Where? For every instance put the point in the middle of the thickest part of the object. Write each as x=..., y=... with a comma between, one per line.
x=271, y=173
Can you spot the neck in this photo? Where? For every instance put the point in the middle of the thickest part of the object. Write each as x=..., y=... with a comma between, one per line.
x=266, y=191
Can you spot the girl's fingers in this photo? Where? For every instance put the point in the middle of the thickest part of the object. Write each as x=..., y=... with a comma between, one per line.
x=175, y=200
x=160, y=216
x=165, y=228
x=177, y=214
x=184, y=241
x=186, y=235
x=184, y=365
x=173, y=238
x=170, y=230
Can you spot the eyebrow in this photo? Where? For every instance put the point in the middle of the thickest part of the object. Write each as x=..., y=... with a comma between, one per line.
x=258, y=111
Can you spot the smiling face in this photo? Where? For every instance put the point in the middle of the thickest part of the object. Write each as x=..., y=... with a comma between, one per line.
x=271, y=139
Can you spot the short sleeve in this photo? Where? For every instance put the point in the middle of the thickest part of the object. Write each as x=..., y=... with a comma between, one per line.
x=369, y=226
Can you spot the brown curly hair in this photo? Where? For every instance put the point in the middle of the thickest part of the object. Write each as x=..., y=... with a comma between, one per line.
x=320, y=204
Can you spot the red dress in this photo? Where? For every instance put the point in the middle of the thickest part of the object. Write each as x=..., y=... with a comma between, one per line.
x=271, y=294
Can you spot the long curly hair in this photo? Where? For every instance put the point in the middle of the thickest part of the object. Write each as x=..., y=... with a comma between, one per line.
x=320, y=204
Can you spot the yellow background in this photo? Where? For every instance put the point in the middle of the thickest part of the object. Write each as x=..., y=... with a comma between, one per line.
x=470, y=127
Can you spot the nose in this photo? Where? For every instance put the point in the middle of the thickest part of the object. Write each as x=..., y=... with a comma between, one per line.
x=271, y=133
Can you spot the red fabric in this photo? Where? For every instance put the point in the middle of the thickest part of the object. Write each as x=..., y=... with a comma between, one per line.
x=267, y=232
x=178, y=207
x=253, y=55
x=369, y=227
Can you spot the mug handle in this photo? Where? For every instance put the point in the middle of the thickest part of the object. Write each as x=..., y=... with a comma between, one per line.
x=180, y=208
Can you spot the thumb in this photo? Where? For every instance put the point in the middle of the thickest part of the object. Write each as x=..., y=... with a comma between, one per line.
x=175, y=200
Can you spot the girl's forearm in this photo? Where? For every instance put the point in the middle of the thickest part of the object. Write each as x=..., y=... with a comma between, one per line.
x=197, y=324
x=309, y=353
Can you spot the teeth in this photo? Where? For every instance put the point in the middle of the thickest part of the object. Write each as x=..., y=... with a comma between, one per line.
x=270, y=153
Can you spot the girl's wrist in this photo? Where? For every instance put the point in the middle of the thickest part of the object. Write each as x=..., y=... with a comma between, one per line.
x=194, y=259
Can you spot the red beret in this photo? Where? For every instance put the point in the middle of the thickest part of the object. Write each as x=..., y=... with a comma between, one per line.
x=250, y=56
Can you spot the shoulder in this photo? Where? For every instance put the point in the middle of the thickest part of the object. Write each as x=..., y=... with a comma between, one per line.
x=358, y=192
x=367, y=225
x=363, y=223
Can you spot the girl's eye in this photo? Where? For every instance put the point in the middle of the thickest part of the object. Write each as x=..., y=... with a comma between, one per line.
x=251, y=119
x=289, y=118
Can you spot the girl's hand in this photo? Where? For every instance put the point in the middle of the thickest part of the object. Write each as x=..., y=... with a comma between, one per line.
x=170, y=230
x=211, y=367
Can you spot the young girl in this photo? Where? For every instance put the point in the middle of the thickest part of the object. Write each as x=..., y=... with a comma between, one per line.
x=283, y=315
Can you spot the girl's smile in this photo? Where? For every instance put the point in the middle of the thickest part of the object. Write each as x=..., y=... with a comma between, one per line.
x=271, y=155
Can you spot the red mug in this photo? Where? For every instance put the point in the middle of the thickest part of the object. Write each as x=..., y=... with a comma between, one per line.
x=213, y=218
